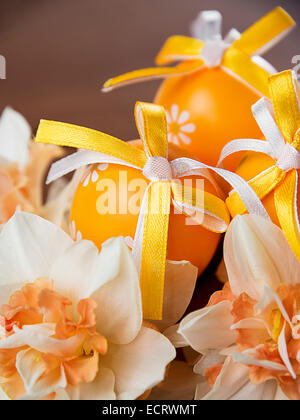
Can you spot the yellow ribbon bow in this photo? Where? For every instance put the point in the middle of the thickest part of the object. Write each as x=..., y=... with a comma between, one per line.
x=233, y=54
x=284, y=138
x=152, y=230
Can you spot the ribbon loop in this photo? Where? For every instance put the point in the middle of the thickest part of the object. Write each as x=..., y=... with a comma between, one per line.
x=179, y=48
x=207, y=26
x=289, y=158
x=213, y=52
x=152, y=125
x=284, y=96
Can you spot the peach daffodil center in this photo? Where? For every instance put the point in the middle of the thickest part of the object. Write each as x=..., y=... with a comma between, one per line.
x=75, y=344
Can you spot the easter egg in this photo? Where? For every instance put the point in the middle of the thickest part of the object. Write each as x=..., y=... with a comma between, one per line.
x=207, y=109
x=107, y=204
x=253, y=164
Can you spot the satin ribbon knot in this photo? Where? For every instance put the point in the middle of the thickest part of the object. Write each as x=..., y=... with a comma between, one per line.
x=289, y=158
x=157, y=168
x=208, y=29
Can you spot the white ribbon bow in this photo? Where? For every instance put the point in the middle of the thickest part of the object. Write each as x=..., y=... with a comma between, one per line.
x=286, y=156
x=208, y=28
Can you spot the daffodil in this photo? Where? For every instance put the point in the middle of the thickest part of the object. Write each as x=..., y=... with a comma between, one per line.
x=248, y=335
x=23, y=166
x=71, y=318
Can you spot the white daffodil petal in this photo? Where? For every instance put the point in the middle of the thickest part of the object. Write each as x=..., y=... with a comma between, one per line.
x=73, y=271
x=19, y=338
x=15, y=134
x=212, y=358
x=274, y=241
x=249, y=262
x=30, y=366
x=38, y=380
x=101, y=388
x=209, y=328
x=54, y=380
x=180, y=281
x=39, y=338
x=116, y=290
x=28, y=247
x=262, y=330
x=282, y=349
x=268, y=297
x=232, y=378
x=247, y=359
x=250, y=392
x=139, y=365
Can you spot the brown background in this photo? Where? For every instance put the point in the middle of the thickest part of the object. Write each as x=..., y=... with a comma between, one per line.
x=59, y=52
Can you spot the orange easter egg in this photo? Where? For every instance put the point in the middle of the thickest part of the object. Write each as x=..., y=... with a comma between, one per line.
x=253, y=164
x=206, y=110
x=107, y=204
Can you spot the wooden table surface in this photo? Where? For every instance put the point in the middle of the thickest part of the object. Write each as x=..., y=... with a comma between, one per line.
x=59, y=52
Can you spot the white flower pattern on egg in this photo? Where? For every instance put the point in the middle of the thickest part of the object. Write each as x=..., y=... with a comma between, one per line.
x=178, y=126
x=93, y=175
x=75, y=235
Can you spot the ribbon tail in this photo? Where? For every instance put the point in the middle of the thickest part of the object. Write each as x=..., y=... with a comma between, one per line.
x=78, y=160
x=143, y=75
x=244, y=145
x=287, y=210
x=70, y=135
x=245, y=195
x=154, y=248
x=203, y=208
x=179, y=48
x=240, y=64
x=261, y=185
x=138, y=238
x=266, y=32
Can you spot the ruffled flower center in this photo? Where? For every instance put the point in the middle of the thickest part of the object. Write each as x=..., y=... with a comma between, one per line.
x=269, y=333
x=47, y=343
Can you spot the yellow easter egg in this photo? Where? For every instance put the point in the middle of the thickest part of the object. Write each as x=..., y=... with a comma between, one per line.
x=206, y=110
x=107, y=204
